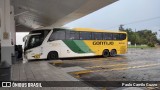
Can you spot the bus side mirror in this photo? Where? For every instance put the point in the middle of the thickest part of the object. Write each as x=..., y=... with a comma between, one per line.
x=24, y=38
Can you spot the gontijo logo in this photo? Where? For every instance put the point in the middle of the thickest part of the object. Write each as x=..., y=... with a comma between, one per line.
x=102, y=43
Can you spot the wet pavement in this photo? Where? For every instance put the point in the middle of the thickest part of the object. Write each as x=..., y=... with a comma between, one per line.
x=136, y=65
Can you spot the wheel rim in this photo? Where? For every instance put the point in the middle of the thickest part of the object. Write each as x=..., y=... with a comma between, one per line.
x=105, y=53
x=113, y=53
x=53, y=56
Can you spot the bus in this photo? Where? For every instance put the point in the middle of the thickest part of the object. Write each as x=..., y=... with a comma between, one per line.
x=77, y=42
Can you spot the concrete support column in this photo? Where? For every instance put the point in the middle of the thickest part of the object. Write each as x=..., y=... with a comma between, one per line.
x=13, y=31
x=7, y=31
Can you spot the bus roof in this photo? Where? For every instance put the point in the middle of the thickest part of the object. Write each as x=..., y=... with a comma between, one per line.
x=96, y=30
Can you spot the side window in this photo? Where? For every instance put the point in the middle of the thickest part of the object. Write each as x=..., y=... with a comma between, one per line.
x=72, y=35
x=97, y=36
x=115, y=36
x=107, y=36
x=122, y=36
x=85, y=36
x=67, y=34
x=58, y=35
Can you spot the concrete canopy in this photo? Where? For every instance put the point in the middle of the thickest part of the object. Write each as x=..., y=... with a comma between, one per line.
x=32, y=14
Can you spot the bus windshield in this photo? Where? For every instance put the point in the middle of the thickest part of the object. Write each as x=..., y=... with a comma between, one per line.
x=35, y=39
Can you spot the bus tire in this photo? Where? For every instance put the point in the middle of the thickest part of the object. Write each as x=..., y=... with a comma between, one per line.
x=113, y=53
x=52, y=55
x=105, y=53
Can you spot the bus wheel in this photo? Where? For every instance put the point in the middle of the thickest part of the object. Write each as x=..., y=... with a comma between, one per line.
x=52, y=55
x=113, y=53
x=105, y=53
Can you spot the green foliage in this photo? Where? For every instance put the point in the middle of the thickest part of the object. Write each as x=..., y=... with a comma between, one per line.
x=141, y=37
x=151, y=44
x=158, y=41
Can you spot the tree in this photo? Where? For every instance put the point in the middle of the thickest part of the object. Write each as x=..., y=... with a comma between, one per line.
x=142, y=37
x=121, y=27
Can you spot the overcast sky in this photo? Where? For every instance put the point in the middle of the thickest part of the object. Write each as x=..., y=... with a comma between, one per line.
x=135, y=14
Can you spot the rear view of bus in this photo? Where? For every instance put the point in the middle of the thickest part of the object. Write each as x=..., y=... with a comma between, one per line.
x=78, y=42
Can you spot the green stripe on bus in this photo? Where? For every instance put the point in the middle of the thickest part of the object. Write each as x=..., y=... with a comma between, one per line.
x=82, y=46
x=73, y=46
x=77, y=46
